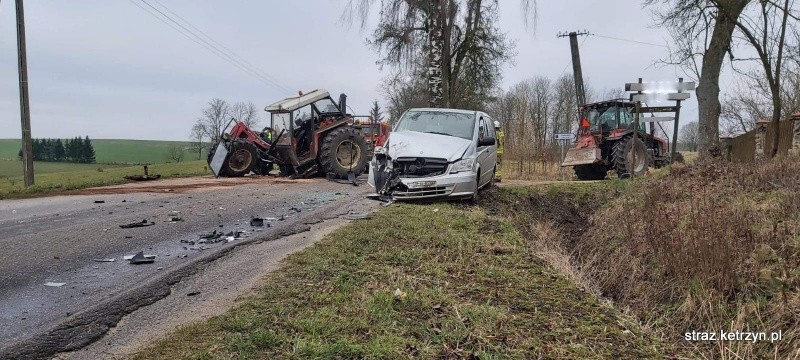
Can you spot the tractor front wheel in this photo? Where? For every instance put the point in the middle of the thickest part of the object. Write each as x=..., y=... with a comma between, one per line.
x=630, y=157
x=343, y=150
x=241, y=160
x=590, y=172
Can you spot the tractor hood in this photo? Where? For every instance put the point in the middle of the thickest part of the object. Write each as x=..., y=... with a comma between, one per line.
x=417, y=144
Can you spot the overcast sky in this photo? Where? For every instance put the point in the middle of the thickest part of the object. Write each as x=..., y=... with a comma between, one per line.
x=108, y=69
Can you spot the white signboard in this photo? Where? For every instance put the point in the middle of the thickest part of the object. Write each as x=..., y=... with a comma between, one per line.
x=565, y=136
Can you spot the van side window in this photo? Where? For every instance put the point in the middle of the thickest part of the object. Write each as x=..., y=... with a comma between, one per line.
x=482, y=130
x=490, y=128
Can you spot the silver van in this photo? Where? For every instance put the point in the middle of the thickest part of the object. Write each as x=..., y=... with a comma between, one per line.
x=436, y=153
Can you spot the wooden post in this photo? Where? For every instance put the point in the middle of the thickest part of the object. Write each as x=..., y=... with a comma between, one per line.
x=795, y=148
x=727, y=147
x=761, y=134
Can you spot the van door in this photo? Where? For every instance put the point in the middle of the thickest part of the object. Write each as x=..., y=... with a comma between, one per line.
x=484, y=152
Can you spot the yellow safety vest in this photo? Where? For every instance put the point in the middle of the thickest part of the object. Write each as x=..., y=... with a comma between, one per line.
x=500, y=140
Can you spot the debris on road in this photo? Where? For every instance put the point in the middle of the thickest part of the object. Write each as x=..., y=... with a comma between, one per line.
x=141, y=258
x=193, y=293
x=104, y=260
x=212, y=235
x=173, y=219
x=145, y=177
x=128, y=257
x=356, y=216
x=54, y=284
x=257, y=222
x=99, y=201
x=142, y=223
x=399, y=294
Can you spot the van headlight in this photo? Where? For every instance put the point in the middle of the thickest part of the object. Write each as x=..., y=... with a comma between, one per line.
x=462, y=165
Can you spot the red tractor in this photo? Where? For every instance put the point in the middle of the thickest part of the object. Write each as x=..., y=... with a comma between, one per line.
x=374, y=132
x=608, y=140
x=308, y=134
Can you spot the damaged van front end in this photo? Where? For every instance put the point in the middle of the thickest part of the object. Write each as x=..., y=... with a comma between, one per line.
x=414, y=166
x=415, y=178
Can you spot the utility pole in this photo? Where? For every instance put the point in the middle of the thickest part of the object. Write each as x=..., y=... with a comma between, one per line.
x=580, y=93
x=24, y=108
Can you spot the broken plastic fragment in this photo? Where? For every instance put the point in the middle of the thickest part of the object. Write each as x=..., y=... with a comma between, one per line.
x=104, y=260
x=142, y=223
x=398, y=294
x=258, y=222
x=54, y=284
x=140, y=258
x=129, y=257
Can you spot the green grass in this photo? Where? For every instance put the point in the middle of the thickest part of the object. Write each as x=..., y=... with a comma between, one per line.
x=13, y=168
x=92, y=175
x=471, y=286
x=117, y=151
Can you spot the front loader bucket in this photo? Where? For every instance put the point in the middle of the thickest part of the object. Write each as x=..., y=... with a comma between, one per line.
x=582, y=156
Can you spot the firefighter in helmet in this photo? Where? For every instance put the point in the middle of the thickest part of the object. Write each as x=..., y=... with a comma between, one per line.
x=500, y=141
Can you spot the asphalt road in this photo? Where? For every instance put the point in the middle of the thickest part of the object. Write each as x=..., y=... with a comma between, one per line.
x=57, y=239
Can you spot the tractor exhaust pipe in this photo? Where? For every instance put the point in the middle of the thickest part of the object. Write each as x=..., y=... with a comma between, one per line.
x=343, y=103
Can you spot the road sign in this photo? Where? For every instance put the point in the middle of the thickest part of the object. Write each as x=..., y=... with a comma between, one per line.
x=656, y=118
x=661, y=86
x=564, y=136
x=659, y=97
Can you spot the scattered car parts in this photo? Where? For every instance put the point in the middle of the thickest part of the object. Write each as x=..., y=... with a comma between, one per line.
x=142, y=223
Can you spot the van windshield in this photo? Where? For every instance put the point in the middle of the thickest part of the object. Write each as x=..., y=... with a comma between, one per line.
x=438, y=122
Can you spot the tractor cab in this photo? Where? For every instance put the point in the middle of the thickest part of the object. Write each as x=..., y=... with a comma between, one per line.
x=303, y=124
x=608, y=118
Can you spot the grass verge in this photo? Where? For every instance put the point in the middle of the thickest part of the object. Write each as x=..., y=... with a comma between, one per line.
x=13, y=187
x=414, y=282
x=709, y=247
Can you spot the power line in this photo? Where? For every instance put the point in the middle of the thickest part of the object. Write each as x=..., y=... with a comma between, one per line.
x=222, y=46
x=200, y=41
x=630, y=41
x=218, y=51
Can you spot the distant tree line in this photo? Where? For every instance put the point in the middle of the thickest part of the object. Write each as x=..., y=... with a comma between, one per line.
x=74, y=150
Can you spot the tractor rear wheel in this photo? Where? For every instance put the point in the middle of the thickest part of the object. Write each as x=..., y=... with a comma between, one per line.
x=242, y=159
x=630, y=157
x=343, y=150
x=590, y=172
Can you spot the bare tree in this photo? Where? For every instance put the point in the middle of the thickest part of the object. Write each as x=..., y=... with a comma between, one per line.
x=245, y=112
x=766, y=33
x=402, y=95
x=689, y=135
x=175, y=153
x=703, y=29
x=197, y=136
x=215, y=116
x=742, y=109
x=461, y=49
x=565, y=115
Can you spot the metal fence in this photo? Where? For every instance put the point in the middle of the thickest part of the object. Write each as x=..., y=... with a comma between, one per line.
x=743, y=147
